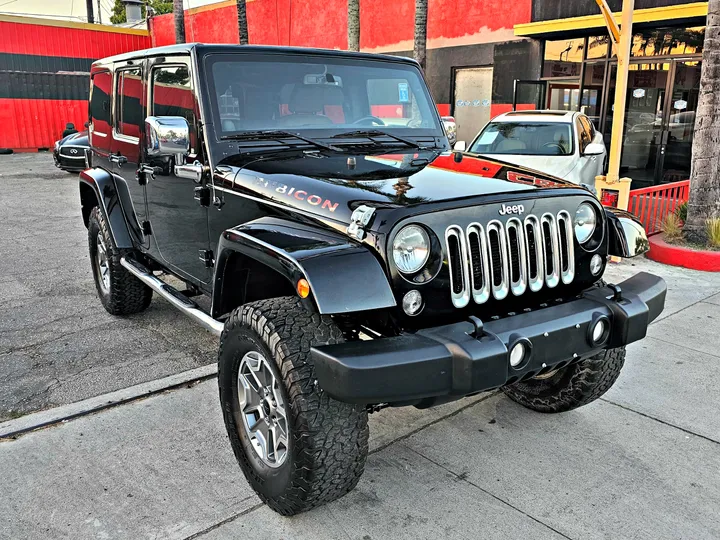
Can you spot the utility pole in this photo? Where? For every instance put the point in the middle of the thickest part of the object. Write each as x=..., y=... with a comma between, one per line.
x=90, y=17
x=99, y=12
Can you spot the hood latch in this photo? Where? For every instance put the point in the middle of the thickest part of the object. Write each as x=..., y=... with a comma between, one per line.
x=360, y=219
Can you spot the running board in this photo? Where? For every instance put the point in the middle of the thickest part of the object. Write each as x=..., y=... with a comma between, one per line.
x=172, y=295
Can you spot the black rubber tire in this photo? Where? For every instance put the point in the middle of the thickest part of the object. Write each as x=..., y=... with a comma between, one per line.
x=127, y=294
x=572, y=386
x=328, y=440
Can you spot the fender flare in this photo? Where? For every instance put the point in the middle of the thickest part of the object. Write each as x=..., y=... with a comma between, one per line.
x=109, y=199
x=344, y=276
x=626, y=235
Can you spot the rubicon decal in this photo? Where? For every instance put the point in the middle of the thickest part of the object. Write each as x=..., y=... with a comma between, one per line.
x=299, y=194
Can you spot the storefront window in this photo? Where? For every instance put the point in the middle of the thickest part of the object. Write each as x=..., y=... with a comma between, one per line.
x=668, y=41
x=590, y=103
x=598, y=47
x=563, y=58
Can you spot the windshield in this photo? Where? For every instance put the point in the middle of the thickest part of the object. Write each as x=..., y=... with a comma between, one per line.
x=525, y=138
x=298, y=93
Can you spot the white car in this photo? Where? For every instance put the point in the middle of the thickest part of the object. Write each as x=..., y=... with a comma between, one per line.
x=561, y=143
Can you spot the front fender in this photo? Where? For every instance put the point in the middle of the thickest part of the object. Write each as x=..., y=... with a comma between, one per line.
x=100, y=183
x=344, y=276
x=626, y=235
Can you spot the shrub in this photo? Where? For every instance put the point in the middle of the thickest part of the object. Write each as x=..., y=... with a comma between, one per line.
x=712, y=227
x=681, y=212
x=672, y=227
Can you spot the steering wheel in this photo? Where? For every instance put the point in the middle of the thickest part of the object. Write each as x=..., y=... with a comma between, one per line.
x=560, y=147
x=373, y=120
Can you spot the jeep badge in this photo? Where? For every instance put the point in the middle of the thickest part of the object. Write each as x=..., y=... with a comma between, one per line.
x=514, y=209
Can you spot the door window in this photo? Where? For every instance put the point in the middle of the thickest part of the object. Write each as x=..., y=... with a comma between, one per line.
x=128, y=105
x=99, y=125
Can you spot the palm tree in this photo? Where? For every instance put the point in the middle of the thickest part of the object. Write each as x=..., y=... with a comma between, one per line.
x=704, y=200
x=179, y=13
x=353, y=25
x=242, y=22
x=420, y=41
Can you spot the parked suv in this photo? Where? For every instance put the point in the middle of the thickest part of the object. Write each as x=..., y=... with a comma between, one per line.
x=350, y=261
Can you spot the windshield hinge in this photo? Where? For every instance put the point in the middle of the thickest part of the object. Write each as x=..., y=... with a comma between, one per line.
x=202, y=195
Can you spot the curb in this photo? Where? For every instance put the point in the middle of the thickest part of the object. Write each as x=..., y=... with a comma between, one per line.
x=13, y=428
x=662, y=252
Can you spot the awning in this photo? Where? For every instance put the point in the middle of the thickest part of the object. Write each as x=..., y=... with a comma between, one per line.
x=696, y=10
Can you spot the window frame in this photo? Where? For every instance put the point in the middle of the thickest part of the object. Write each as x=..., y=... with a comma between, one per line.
x=117, y=102
x=91, y=118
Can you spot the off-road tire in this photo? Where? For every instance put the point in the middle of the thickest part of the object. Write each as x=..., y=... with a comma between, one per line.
x=126, y=294
x=328, y=439
x=573, y=386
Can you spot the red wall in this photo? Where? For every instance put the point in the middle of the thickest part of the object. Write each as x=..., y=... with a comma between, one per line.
x=38, y=97
x=385, y=26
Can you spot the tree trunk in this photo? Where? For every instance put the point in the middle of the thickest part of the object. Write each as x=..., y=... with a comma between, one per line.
x=353, y=25
x=242, y=22
x=179, y=14
x=420, y=42
x=704, y=200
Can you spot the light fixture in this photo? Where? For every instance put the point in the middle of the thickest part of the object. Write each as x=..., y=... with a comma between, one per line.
x=596, y=264
x=411, y=249
x=599, y=330
x=412, y=303
x=517, y=354
x=585, y=222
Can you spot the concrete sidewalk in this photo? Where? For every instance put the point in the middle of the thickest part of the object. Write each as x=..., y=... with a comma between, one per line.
x=642, y=463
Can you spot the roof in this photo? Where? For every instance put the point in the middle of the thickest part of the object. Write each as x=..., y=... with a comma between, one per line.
x=202, y=48
x=536, y=116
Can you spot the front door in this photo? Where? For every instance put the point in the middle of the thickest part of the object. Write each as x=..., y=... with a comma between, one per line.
x=124, y=157
x=177, y=220
x=659, y=120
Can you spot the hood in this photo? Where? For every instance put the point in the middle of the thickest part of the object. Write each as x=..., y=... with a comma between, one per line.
x=559, y=166
x=333, y=186
x=76, y=139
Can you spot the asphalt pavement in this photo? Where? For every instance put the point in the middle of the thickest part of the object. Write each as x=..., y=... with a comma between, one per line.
x=643, y=462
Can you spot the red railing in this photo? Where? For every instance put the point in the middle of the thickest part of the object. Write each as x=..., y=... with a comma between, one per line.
x=652, y=204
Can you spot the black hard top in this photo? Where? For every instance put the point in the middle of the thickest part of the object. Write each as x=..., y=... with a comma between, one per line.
x=203, y=48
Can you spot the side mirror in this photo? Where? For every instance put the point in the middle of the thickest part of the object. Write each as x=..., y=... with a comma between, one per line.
x=594, y=149
x=461, y=146
x=167, y=136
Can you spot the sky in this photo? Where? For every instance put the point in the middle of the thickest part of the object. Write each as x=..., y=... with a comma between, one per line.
x=71, y=10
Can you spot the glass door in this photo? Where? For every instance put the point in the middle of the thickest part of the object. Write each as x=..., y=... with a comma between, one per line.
x=676, y=149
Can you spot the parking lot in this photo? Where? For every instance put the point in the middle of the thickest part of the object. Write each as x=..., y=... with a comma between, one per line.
x=643, y=462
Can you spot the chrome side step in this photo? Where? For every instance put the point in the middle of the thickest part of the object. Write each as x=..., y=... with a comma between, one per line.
x=172, y=295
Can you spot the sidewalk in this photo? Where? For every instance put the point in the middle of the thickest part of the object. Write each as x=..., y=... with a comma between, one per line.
x=641, y=463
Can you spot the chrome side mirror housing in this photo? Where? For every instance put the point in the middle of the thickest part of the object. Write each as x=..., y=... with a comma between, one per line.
x=167, y=136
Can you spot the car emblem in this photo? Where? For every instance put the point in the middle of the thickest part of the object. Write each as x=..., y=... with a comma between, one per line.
x=73, y=150
x=514, y=209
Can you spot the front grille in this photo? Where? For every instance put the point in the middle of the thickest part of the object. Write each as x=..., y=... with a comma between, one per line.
x=501, y=258
x=67, y=151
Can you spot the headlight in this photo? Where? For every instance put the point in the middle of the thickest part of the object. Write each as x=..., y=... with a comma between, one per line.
x=411, y=249
x=585, y=222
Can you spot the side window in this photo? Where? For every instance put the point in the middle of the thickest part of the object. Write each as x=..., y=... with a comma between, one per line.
x=583, y=134
x=128, y=103
x=100, y=101
x=172, y=96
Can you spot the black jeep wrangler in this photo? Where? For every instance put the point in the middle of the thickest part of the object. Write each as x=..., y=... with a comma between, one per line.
x=349, y=260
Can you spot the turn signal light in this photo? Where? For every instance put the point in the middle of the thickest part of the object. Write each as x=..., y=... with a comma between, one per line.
x=303, y=288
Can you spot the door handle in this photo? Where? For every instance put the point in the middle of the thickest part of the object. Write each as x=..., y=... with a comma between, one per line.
x=117, y=158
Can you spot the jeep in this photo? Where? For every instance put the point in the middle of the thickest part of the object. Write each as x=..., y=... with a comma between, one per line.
x=350, y=261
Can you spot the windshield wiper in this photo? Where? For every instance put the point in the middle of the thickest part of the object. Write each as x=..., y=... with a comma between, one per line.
x=276, y=135
x=370, y=133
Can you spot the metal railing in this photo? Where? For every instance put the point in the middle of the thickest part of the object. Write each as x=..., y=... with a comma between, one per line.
x=652, y=204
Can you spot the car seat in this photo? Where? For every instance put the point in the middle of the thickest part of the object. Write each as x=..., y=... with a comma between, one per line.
x=306, y=105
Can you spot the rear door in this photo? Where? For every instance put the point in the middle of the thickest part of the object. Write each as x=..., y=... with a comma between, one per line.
x=128, y=122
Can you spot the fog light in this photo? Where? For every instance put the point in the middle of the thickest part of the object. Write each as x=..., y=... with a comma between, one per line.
x=598, y=331
x=412, y=303
x=517, y=354
x=596, y=264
